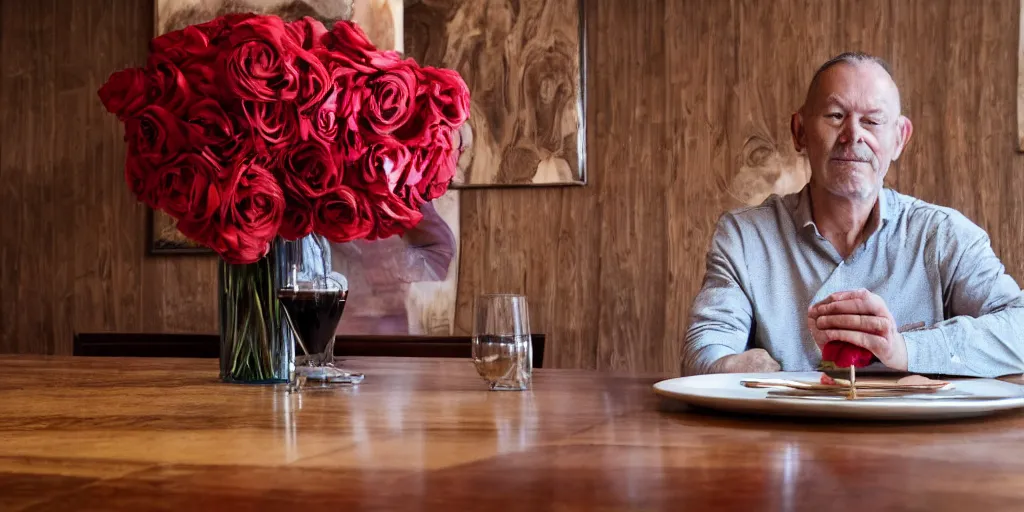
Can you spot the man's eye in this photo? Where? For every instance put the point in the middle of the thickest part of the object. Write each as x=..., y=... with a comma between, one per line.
x=835, y=115
x=872, y=122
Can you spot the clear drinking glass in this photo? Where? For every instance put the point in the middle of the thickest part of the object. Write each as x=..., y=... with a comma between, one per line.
x=502, y=347
x=313, y=298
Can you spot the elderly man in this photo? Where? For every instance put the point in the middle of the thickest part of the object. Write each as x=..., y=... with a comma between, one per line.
x=847, y=259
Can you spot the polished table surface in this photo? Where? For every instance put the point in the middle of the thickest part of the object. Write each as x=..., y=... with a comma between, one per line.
x=425, y=434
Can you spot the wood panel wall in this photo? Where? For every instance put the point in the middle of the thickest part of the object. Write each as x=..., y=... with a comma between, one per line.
x=688, y=109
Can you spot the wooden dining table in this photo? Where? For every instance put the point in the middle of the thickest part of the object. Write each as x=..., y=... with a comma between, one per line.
x=426, y=434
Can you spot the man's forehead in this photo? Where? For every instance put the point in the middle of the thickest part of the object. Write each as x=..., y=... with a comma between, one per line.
x=862, y=85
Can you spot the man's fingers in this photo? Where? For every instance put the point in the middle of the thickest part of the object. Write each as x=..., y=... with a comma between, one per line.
x=855, y=306
x=874, y=343
x=860, y=293
x=864, y=323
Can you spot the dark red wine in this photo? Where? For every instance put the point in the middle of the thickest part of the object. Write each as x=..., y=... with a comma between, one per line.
x=314, y=316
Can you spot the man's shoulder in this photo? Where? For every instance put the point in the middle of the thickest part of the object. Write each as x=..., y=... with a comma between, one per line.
x=767, y=213
x=933, y=218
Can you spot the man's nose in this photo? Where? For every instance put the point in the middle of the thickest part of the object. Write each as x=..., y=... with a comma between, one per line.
x=851, y=131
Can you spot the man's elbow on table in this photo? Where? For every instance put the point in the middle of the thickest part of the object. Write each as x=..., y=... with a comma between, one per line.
x=721, y=359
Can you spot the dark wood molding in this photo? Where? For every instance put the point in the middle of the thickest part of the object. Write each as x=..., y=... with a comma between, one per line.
x=121, y=344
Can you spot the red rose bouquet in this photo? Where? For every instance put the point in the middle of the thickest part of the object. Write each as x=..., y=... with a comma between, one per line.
x=248, y=129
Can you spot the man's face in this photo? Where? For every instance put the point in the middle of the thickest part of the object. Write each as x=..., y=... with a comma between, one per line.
x=851, y=128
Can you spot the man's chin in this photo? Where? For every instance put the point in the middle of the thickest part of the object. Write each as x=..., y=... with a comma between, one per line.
x=853, y=189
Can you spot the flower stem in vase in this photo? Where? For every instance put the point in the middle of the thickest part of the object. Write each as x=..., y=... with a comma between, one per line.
x=255, y=346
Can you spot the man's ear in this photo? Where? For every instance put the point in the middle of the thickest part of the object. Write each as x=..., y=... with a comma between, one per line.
x=796, y=127
x=906, y=129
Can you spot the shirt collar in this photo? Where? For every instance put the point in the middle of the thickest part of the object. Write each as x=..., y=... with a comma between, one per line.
x=804, y=218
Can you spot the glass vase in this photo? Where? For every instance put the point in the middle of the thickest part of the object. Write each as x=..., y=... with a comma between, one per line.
x=257, y=346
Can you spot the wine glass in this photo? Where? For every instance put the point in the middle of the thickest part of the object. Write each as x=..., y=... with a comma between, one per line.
x=502, y=346
x=313, y=299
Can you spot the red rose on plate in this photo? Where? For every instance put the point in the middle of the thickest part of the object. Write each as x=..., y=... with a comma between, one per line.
x=125, y=93
x=308, y=170
x=389, y=103
x=845, y=355
x=250, y=213
x=260, y=63
x=156, y=134
x=343, y=215
x=187, y=188
x=394, y=217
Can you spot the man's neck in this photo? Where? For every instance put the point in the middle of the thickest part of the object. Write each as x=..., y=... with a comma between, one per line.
x=845, y=222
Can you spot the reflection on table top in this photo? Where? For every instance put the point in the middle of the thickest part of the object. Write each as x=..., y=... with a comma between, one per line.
x=424, y=434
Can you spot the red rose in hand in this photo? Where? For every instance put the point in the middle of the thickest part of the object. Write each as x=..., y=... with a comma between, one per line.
x=169, y=87
x=156, y=134
x=307, y=32
x=308, y=170
x=215, y=130
x=394, y=217
x=187, y=188
x=260, y=64
x=389, y=102
x=343, y=215
x=381, y=167
x=124, y=93
x=250, y=213
x=448, y=93
x=845, y=355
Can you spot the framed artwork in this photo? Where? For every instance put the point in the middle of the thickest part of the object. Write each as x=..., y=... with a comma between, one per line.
x=399, y=286
x=524, y=63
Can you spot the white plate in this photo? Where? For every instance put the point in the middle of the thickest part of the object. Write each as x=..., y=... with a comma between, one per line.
x=724, y=392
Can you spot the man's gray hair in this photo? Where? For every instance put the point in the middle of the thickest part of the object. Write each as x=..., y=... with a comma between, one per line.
x=854, y=58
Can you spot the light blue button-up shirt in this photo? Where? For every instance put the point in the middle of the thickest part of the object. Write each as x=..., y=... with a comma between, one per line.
x=768, y=263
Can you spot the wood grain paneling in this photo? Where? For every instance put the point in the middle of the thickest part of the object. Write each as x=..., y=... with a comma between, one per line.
x=72, y=257
x=689, y=104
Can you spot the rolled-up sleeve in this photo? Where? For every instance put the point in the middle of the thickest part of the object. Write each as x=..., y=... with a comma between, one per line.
x=721, y=317
x=983, y=333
